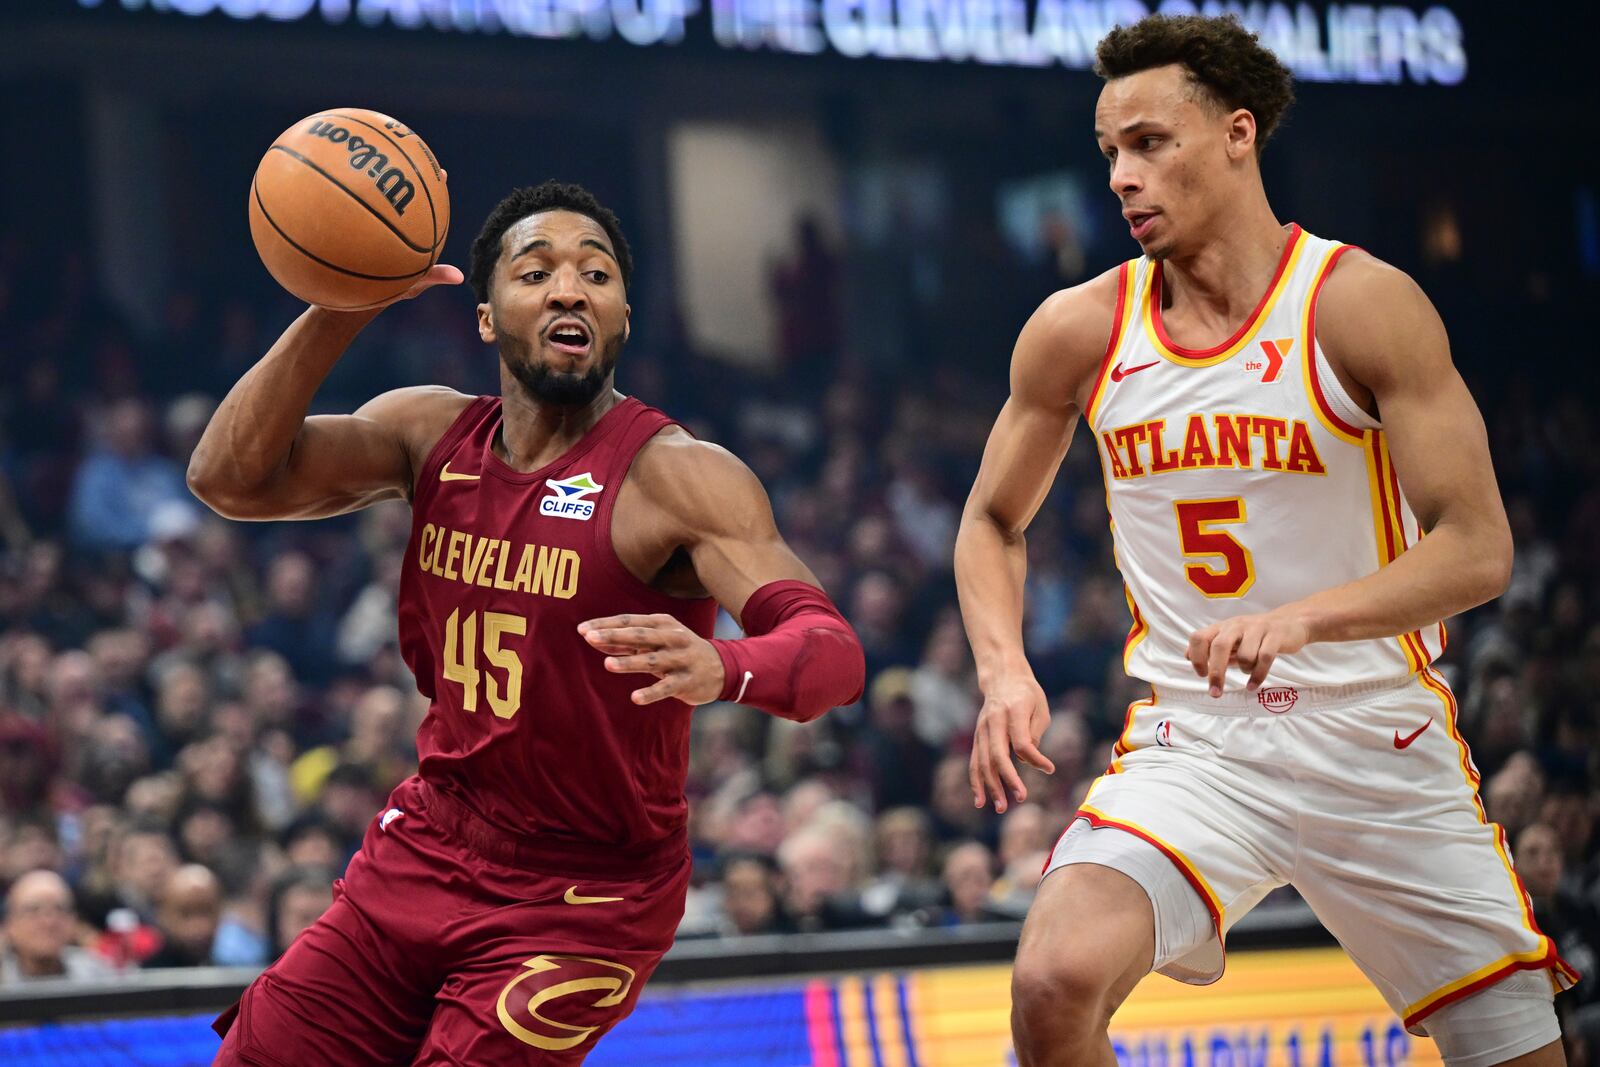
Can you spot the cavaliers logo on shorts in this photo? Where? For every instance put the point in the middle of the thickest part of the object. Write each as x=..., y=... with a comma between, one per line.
x=557, y=1002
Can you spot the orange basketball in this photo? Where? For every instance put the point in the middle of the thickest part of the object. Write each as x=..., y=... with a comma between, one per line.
x=348, y=208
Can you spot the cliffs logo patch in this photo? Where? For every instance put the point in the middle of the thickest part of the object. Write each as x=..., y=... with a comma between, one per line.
x=1279, y=698
x=571, y=497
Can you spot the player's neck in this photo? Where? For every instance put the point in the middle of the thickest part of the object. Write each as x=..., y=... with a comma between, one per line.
x=534, y=434
x=1227, y=274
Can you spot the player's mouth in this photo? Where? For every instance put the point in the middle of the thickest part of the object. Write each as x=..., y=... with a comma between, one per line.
x=569, y=336
x=1140, y=222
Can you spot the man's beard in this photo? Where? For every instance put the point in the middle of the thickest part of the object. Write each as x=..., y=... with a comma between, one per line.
x=560, y=388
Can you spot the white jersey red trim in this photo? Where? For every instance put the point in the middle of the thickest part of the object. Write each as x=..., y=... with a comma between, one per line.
x=1243, y=477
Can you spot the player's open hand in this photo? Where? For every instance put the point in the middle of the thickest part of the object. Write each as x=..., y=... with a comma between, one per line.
x=687, y=667
x=1014, y=716
x=1250, y=642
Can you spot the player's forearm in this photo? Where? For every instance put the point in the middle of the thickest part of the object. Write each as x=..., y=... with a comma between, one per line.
x=991, y=568
x=800, y=657
x=252, y=434
x=1447, y=572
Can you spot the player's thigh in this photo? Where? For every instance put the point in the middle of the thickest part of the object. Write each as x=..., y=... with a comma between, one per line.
x=357, y=986
x=335, y=998
x=1399, y=863
x=541, y=981
x=1203, y=839
x=1090, y=934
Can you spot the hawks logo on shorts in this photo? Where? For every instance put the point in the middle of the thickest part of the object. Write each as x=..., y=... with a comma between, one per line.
x=581, y=990
x=1278, y=698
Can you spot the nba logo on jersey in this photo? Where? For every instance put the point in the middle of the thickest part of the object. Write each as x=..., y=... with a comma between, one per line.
x=1164, y=733
x=569, y=500
x=1279, y=698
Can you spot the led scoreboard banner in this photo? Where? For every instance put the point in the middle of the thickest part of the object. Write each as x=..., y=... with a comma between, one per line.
x=1303, y=1008
x=1368, y=43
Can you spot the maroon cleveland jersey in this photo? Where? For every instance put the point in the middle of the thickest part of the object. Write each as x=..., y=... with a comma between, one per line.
x=527, y=728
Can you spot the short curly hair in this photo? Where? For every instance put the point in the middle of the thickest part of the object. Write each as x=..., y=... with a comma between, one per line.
x=530, y=200
x=1223, y=59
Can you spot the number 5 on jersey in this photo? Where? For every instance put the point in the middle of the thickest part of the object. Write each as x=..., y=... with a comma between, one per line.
x=1195, y=534
x=461, y=659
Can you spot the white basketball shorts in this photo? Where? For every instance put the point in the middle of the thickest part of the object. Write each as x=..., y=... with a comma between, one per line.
x=1362, y=797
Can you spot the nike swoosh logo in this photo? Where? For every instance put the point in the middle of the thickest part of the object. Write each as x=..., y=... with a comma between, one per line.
x=572, y=897
x=1117, y=373
x=448, y=475
x=1405, y=742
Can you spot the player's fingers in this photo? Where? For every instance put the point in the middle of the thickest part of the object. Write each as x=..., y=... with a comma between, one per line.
x=1026, y=748
x=1264, y=660
x=1199, y=650
x=1006, y=780
x=631, y=637
x=1249, y=646
x=1217, y=662
x=608, y=622
x=660, y=691
x=974, y=773
x=643, y=663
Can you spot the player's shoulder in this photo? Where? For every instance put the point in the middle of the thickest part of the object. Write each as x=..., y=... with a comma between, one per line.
x=1369, y=310
x=418, y=415
x=1362, y=291
x=1060, y=348
x=690, y=479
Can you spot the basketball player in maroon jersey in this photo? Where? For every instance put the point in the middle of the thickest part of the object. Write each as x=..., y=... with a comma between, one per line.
x=518, y=892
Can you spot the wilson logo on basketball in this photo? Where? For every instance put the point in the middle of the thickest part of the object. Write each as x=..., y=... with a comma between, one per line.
x=365, y=156
x=1278, y=699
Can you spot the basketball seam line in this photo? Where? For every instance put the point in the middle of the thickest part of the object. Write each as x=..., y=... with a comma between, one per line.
x=291, y=153
x=318, y=259
x=433, y=211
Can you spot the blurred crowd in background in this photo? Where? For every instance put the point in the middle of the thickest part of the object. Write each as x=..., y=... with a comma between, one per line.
x=198, y=718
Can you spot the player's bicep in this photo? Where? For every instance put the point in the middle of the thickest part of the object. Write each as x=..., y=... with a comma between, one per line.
x=340, y=463
x=728, y=529
x=1387, y=335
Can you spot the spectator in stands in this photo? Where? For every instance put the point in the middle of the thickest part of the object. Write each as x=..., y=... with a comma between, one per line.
x=296, y=625
x=968, y=877
x=904, y=883
x=816, y=868
x=39, y=933
x=299, y=897
x=750, y=900
x=123, y=482
x=1514, y=796
x=189, y=913
x=896, y=762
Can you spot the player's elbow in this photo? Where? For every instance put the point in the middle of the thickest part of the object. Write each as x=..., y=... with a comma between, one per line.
x=1494, y=566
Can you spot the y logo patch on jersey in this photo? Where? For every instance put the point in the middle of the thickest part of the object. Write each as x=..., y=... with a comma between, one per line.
x=571, y=497
x=1270, y=365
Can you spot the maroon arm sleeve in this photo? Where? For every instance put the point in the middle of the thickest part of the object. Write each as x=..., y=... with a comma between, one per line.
x=799, y=657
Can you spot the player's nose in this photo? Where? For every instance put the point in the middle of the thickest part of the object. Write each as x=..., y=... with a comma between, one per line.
x=564, y=291
x=1125, y=177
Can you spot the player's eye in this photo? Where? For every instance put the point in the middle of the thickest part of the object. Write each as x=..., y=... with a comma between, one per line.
x=1110, y=154
x=1147, y=143
x=599, y=277
x=535, y=276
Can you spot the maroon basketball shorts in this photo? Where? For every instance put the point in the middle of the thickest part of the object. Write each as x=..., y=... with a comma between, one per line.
x=450, y=942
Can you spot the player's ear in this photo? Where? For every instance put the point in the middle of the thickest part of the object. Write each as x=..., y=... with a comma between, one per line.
x=1241, y=134
x=486, y=323
x=627, y=322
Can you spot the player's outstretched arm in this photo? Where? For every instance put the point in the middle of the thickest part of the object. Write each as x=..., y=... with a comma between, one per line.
x=799, y=657
x=1052, y=367
x=1384, y=337
x=262, y=458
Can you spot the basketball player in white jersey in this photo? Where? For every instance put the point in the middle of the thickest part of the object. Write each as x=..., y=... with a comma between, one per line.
x=1278, y=422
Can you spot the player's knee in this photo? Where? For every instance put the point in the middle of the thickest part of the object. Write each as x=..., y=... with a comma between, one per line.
x=1065, y=994
x=1511, y=1018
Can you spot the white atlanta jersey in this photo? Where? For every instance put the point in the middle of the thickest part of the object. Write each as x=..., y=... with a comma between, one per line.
x=1243, y=477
